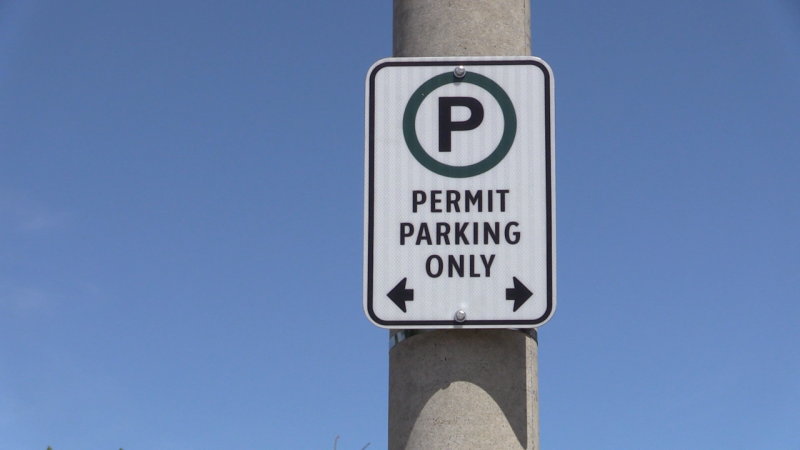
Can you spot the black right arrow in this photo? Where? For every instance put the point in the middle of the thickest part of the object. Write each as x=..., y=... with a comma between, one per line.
x=400, y=295
x=519, y=293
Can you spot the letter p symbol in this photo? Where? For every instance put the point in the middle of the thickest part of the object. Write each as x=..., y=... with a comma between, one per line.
x=446, y=124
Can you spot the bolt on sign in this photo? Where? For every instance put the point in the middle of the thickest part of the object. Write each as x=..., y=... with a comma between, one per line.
x=459, y=220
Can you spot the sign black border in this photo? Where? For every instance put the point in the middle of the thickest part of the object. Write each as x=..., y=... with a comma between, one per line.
x=548, y=179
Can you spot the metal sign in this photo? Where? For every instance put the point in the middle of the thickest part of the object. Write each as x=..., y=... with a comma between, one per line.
x=459, y=221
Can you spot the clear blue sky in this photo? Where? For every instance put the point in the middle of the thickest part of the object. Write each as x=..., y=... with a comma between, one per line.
x=181, y=225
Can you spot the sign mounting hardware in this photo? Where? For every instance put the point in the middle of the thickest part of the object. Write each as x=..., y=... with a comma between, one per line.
x=459, y=204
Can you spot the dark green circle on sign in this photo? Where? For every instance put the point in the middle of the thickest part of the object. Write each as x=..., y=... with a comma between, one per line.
x=410, y=130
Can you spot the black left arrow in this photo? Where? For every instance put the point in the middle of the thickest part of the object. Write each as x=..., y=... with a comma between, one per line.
x=400, y=295
x=519, y=293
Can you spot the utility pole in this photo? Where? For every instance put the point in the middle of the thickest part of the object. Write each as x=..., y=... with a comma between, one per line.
x=463, y=388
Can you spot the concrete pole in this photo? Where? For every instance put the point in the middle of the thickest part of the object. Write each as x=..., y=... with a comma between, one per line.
x=463, y=389
x=462, y=28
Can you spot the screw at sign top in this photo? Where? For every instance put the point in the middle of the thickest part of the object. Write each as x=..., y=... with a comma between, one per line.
x=461, y=316
x=460, y=72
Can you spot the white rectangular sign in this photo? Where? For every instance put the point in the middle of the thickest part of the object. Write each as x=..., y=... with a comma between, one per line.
x=459, y=193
